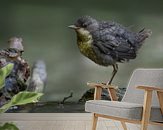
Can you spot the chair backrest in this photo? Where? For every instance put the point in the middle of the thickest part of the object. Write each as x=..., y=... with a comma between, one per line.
x=148, y=77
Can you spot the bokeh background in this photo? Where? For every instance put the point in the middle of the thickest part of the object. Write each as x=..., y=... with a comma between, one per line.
x=43, y=26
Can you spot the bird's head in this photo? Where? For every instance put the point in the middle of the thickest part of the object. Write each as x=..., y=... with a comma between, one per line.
x=84, y=26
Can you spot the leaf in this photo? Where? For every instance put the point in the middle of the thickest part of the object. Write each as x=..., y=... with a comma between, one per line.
x=8, y=126
x=21, y=98
x=25, y=97
x=5, y=107
x=4, y=72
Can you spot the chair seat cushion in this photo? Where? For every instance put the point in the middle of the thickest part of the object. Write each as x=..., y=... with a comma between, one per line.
x=125, y=110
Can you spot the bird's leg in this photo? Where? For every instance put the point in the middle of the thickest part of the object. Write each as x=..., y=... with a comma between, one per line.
x=115, y=69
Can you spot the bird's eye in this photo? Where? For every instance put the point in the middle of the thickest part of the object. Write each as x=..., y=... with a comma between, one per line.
x=84, y=25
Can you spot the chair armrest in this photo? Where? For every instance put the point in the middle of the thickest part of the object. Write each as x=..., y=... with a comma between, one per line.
x=98, y=90
x=150, y=88
x=101, y=85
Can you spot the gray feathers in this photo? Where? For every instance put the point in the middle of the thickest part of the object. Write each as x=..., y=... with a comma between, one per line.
x=117, y=41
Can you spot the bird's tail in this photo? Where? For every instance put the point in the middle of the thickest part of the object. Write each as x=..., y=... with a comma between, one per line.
x=143, y=34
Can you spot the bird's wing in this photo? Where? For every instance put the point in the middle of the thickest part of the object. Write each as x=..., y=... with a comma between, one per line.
x=112, y=40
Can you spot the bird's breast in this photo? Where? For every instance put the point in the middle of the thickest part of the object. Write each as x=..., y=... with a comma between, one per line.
x=87, y=50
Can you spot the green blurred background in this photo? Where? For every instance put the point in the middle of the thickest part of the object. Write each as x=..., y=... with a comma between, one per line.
x=43, y=27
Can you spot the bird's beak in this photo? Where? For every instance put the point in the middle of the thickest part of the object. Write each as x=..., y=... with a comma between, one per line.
x=73, y=27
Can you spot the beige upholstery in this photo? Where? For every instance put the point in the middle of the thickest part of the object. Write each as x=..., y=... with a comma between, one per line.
x=132, y=111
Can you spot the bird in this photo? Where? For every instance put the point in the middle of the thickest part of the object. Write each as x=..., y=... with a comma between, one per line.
x=108, y=43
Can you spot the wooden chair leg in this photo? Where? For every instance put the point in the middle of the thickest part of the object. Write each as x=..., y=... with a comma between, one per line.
x=146, y=110
x=160, y=98
x=124, y=125
x=94, y=122
x=113, y=95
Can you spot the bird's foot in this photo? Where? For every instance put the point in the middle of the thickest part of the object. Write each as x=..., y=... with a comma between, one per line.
x=108, y=83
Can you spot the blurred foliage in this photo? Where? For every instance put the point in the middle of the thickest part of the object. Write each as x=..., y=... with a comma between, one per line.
x=8, y=126
x=20, y=99
x=4, y=72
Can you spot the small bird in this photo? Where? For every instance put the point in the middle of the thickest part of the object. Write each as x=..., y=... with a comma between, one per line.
x=106, y=42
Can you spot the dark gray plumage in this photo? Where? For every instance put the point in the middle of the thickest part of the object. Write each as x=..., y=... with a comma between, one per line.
x=107, y=43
